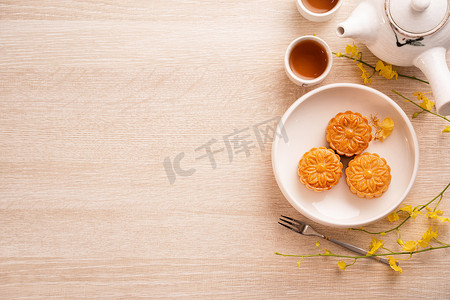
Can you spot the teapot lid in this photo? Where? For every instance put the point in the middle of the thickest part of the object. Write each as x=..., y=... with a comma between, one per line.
x=416, y=18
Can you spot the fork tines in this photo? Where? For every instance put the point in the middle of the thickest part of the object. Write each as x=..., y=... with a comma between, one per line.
x=297, y=221
x=296, y=225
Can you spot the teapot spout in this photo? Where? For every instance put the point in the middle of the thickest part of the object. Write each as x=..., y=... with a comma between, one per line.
x=361, y=25
x=434, y=65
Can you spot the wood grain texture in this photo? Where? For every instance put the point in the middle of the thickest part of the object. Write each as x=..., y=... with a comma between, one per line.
x=95, y=95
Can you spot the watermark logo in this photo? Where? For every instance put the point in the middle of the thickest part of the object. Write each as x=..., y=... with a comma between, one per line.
x=238, y=142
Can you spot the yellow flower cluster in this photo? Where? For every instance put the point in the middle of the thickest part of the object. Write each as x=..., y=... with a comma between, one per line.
x=376, y=244
x=365, y=75
x=412, y=246
x=342, y=265
x=394, y=265
x=426, y=103
x=353, y=51
x=386, y=70
x=383, y=129
x=436, y=214
x=413, y=212
x=429, y=234
x=409, y=246
x=393, y=217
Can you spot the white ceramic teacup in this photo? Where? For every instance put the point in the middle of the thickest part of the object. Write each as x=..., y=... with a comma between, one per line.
x=314, y=16
x=300, y=80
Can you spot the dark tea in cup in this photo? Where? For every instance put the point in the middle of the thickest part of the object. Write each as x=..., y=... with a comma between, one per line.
x=308, y=59
x=319, y=6
x=318, y=10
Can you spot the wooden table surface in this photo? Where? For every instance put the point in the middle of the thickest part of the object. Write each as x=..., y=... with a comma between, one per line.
x=108, y=109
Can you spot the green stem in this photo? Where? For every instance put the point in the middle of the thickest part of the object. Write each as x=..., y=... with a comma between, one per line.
x=442, y=243
x=441, y=194
x=413, y=77
x=437, y=115
x=380, y=232
x=390, y=251
x=440, y=199
x=354, y=261
x=356, y=59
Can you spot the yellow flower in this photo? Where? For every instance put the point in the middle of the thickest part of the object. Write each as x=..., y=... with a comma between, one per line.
x=426, y=238
x=299, y=262
x=365, y=75
x=420, y=96
x=442, y=219
x=400, y=242
x=342, y=265
x=387, y=126
x=433, y=214
x=352, y=50
x=415, y=213
x=393, y=217
x=407, y=208
x=446, y=129
x=375, y=245
x=393, y=263
x=386, y=70
x=436, y=215
x=383, y=129
x=338, y=54
x=327, y=251
x=409, y=246
x=383, y=233
x=410, y=211
x=318, y=244
x=426, y=103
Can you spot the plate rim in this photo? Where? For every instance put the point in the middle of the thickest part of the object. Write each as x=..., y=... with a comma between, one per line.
x=300, y=100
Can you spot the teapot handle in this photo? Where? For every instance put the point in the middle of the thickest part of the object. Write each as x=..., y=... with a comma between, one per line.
x=434, y=65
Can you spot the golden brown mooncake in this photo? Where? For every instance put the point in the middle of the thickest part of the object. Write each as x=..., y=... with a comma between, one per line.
x=349, y=133
x=320, y=169
x=368, y=175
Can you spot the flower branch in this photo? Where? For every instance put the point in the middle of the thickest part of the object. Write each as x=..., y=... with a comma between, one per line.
x=366, y=256
x=412, y=213
x=357, y=56
x=426, y=106
x=409, y=248
x=389, y=72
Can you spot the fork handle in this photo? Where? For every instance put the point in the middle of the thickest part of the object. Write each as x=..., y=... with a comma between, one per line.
x=357, y=250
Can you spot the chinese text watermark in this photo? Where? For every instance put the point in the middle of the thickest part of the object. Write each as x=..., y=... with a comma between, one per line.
x=238, y=142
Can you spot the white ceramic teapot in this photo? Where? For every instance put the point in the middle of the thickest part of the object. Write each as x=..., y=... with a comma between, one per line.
x=406, y=33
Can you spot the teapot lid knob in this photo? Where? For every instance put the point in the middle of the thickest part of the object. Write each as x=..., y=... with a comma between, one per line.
x=420, y=5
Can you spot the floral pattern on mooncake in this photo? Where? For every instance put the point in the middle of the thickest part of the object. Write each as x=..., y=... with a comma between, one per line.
x=349, y=133
x=320, y=169
x=368, y=175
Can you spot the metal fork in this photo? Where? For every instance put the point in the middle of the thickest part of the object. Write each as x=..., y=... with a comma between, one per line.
x=304, y=229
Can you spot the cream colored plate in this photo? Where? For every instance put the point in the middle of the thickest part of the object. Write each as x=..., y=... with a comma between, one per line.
x=305, y=123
